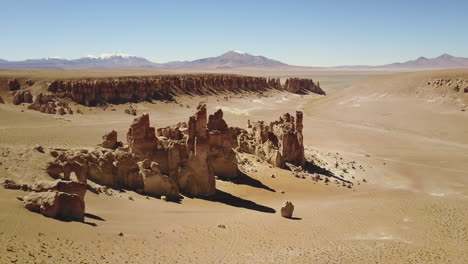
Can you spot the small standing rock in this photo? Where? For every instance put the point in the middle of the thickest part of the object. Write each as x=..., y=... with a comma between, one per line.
x=287, y=209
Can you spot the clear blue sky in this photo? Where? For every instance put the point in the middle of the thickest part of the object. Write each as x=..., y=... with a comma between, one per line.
x=314, y=33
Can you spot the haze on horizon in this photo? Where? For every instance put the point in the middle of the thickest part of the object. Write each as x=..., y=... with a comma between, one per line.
x=309, y=33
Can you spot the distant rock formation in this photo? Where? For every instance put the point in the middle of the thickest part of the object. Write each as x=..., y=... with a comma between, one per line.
x=20, y=97
x=298, y=85
x=277, y=143
x=92, y=92
x=13, y=85
x=50, y=104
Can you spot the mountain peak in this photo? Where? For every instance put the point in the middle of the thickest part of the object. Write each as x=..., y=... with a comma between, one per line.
x=445, y=56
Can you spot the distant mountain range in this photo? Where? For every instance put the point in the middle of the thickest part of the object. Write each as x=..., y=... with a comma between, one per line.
x=228, y=60
x=231, y=59
x=444, y=61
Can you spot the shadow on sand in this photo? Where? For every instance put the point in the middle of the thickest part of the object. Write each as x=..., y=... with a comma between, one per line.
x=311, y=168
x=229, y=199
x=244, y=179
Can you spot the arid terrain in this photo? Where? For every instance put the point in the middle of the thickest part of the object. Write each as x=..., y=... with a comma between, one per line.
x=388, y=184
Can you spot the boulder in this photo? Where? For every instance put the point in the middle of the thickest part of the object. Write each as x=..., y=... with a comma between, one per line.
x=59, y=205
x=287, y=210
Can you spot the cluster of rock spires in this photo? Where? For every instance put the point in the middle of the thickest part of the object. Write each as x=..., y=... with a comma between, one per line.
x=184, y=158
x=120, y=90
x=278, y=143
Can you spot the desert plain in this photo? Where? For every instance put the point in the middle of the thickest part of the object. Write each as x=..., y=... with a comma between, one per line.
x=392, y=146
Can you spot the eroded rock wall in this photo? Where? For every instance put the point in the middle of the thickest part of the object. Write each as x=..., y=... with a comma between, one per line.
x=93, y=92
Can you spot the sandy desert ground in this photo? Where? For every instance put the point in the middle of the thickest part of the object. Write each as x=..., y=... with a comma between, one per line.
x=403, y=144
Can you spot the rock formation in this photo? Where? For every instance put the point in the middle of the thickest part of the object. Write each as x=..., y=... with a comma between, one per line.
x=221, y=155
x=287, y=210
x=13, y=85
x=109, y=140
x=92, y=92
x=299, y=85
x=1, y=100
x=277, y=143
x=60, y=205
x=182, y=158
x=50, y=104
x=57, y=199
x=22, y=97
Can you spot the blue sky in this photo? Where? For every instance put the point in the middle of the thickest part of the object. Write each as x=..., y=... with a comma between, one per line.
x=313, y=33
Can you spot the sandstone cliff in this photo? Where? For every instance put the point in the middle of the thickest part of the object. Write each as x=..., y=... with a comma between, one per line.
x=93, y=92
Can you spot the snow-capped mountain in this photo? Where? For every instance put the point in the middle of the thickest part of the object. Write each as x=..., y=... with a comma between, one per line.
x=231, y=59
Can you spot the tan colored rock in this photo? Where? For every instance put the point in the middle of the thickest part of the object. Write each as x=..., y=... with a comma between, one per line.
x=141, y=138
x=221, y=155
x=287, y=210
x=70, y=187
x=59, y=205
x=277, y=143
x=154, y=182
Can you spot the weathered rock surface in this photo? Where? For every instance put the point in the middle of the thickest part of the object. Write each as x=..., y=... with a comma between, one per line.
x=277, y=143
x=287, y=210
x=120, y=90
x=50, y=104
x=55, y=204
x=221, y=155
x=182, y=158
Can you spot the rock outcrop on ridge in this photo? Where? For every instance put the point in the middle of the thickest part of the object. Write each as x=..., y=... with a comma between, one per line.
x=92, y=92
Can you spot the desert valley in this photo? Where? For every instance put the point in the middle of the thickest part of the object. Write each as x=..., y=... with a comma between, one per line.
x=192, y=152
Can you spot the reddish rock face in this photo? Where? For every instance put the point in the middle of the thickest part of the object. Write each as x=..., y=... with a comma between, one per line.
x=120, y=90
